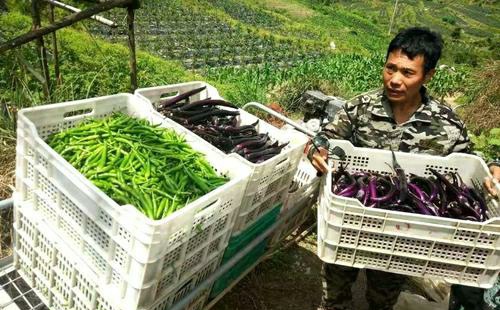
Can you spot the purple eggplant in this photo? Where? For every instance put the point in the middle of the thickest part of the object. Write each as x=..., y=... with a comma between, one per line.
x=206, y=102
x=403, y=187
x=428, y=188
x=251, y=143
x=255, y=155
x=387, y=187
x=204, y=116
x=260, y=149
x=171, y=101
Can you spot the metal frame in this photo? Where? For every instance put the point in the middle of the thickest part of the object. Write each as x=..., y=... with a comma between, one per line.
x=21, y=295
x=279, y=116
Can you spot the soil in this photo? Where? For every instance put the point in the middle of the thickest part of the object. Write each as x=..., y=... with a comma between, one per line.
x=5, y=232
x=289, y=280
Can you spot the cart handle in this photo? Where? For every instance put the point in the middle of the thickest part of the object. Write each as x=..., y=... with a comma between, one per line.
x=281, y=117
x=300, y=128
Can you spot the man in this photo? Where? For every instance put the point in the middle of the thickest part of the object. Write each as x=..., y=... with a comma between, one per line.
x=402, y=117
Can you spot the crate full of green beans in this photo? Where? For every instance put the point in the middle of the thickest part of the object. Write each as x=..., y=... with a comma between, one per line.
x=271, y=154
x=144, y=202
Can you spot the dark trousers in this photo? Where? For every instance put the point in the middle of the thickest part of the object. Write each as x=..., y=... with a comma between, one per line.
x=470, y=298
x=382, y=288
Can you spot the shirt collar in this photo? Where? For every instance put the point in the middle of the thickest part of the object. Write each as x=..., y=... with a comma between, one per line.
x=382, y=108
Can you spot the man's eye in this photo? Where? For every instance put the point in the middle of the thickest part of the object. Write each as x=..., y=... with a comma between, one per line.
x=390, y=69
x=407, y=73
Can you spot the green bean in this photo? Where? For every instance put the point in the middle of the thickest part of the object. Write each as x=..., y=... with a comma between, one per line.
x=150, y=167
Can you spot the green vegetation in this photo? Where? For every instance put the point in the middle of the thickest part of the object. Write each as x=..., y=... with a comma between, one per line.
x=488, y=143
x=149, y=167
x=89, y=67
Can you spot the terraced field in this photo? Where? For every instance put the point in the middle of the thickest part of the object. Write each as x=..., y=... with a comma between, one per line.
x=229, y=35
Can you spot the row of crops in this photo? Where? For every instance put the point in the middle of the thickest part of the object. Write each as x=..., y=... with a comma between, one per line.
x=251, y=16
x=175, y=30
x=252, y=60
x=349, y=74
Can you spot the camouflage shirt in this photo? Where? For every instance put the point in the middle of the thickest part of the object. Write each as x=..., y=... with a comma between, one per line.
x=367, y=121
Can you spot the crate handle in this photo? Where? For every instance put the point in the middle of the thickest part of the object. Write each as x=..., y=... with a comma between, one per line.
x=79, y=112
x=206, y=206
x=281, y=162
x=169, y=93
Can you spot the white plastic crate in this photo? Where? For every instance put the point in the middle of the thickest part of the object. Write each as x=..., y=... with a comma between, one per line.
x=456, y=251
x=125, y=248
x=268, y=180
x=154, y=94
x=305, y=183
x=302, y=195
x=63, y=280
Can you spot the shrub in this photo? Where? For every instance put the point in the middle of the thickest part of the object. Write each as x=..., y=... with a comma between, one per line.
x=449, y=19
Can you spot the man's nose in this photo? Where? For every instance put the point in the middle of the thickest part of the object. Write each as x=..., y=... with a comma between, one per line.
x=396, y=79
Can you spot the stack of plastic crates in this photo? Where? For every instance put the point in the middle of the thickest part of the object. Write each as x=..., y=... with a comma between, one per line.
x=81, y=250
x=456, y=251
x=302, y=195
x=269, y=181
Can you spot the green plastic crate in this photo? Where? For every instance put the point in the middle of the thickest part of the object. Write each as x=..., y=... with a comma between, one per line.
x=240, y=241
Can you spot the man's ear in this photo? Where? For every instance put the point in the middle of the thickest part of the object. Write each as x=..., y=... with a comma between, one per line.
x=429, y=75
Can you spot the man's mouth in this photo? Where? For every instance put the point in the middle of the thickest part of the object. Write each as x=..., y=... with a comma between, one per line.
x=394, y=93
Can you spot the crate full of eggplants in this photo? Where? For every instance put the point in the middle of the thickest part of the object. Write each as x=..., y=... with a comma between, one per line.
x=220, y=126
x=444, y=195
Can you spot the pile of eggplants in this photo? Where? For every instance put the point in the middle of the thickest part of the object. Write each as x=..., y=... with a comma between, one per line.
x=444, y=195
x=220, y=127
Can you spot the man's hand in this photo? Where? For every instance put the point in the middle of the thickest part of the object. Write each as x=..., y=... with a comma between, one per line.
x=318, y=157
x=490, y=183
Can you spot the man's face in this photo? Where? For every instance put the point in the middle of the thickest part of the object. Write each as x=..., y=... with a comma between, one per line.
x=403, y=77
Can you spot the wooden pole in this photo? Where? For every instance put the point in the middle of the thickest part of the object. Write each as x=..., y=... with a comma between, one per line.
x=54, y=47
x=35, y=12
x=131, y=46
x=393, y=14
x=67, y=21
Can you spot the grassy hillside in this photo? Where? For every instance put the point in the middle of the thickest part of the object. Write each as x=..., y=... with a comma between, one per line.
x=89, y=67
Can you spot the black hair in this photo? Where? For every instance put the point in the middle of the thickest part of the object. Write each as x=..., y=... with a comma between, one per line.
x=418, y=41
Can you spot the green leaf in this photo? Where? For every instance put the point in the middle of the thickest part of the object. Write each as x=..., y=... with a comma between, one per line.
x=494, y=141
x=495, y=132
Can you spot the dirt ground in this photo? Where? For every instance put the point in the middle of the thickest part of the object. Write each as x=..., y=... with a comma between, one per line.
x=289, y=280
x=5, y=232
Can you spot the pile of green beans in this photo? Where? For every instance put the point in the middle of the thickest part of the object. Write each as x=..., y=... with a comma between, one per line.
x=136, y=163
